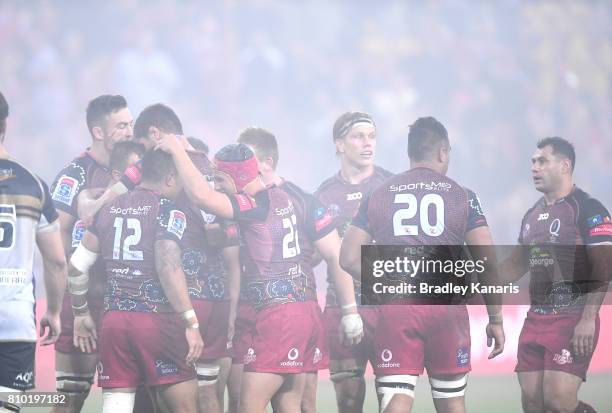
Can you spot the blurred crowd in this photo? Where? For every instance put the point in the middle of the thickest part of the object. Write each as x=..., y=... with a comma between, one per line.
x=500, y=75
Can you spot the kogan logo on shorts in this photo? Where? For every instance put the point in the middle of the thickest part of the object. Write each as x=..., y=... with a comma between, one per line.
x=354, y=196
x=250, y=356
x=292, y=355
x=564, y=358
x=165, y=368
x=386, y=355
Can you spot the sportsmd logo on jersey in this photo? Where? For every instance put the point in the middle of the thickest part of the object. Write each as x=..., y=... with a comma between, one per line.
x=177, y=223
x=65, y=190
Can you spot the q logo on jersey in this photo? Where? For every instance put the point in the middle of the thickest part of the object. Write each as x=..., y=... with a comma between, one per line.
x=65, y=190
x=177, y=223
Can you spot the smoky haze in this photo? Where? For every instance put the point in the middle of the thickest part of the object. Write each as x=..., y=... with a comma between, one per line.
x=499, y=75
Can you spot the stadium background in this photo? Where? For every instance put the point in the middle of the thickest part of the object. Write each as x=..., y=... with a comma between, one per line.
x=499, y=75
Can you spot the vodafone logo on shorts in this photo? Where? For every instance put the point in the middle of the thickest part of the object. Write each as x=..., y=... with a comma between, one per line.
x=101, y=375
x=564, y=358
x=386, y=355
x=292, y=355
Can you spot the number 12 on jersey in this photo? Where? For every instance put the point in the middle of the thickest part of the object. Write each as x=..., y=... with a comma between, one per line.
x=132, y=224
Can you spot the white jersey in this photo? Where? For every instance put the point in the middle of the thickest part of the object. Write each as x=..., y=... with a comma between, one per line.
x=25, y=210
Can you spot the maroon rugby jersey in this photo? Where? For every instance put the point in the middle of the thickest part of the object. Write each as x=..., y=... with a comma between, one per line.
x=127, y=230
x=420, y=207
x=317, y=223
x=202, y=262
x=271, y=250
x=83, y=172
x=559, y=233
x=343, y=199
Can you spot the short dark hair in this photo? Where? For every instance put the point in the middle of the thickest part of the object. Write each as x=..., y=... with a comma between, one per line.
x=121, y=153
x=157, y=165
x=102, y=106
x=4, y=112
x=198, y=144
x=346, y=121
x=263, y=142
x=561, y=147
x=424, y=137
x=160, y=116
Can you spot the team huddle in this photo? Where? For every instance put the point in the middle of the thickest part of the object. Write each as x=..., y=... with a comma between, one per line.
x=186, y=275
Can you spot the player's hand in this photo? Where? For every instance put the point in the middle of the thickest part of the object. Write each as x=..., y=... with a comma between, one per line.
x=495, y=333
x=351, y=329
x=85, y=333
x=52, y=323
x=195, y=343
x=169, y=142
x=583, y=340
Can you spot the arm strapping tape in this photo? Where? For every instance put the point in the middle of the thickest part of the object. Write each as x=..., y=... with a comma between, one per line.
x=83, y=259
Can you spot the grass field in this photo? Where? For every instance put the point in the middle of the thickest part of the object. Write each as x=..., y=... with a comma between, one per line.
x=486, y=394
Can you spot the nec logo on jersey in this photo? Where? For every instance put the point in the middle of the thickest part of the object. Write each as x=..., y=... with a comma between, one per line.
x=65, y=190
x=177, y=223
x=354, y=196
x=543, y=217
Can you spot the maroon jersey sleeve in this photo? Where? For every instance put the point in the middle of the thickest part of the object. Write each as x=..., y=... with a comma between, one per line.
x=171, y=222
x=476, y=216
x=594, y=222
x=248, y=208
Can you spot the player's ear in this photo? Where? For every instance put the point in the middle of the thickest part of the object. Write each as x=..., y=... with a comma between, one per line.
x=566, y=166
x=339, y=145
x=116, y=175
x=97, y=133
x=154, y=133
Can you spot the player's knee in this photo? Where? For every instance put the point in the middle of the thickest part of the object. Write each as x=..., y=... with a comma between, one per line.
x=389, y=386
x=532, y=401
x=446, y=389
x=342, y=375
x=558, y=405
x=77, y=385
x=208, y=374
x=584, y=408
x=118, y=402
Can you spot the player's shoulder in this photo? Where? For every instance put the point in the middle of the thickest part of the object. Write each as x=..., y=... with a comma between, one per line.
x=328, y=184
x=586, y=204
x=18, y=180
x=381, y=173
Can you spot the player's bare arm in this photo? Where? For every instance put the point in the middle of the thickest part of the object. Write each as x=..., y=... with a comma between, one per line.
x=350, y=253
x=480, y=242
x=351, y=325
x=231, y=257
x=66, y=222
x=50, y=244
x=85, y=333
x=195, y=184
x=600, y=257
x=172, y=278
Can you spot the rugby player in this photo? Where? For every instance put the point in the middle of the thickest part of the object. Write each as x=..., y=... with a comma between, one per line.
x=109, y=121
x=318, y=232
x=138, y=237
x=411, y=337
x=27, y=218
x=272, y=275
x=354, y=135
x=559, y=335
